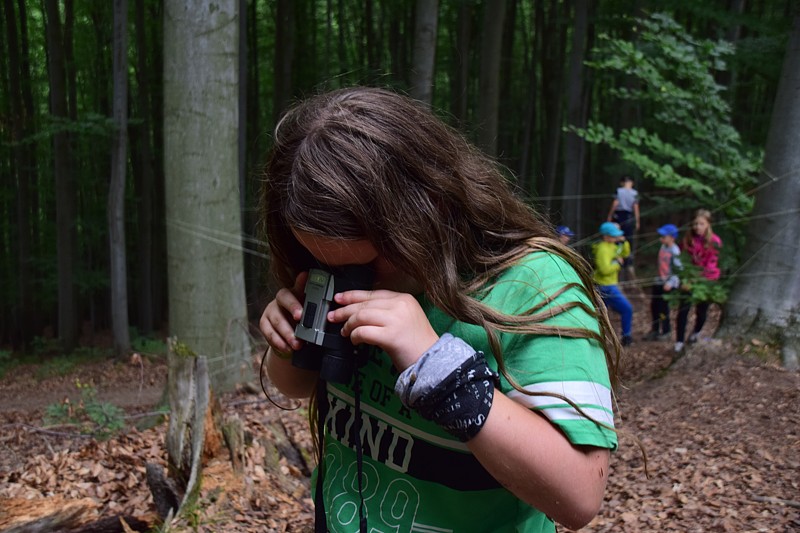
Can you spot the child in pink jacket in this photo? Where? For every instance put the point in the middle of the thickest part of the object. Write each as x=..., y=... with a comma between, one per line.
x=703, y=246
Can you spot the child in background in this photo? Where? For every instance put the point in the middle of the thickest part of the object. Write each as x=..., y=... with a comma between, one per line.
x=625, y=211
x=564, y=234
x=703, y=246
x=469, y=282
x=609, y=256
x=669, y=264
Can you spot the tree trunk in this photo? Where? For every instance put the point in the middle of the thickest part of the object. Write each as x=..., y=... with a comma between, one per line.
x=553, y=44
x=28, y=177
x=190, y=402
x=489, y=97
x=69, y=61
x=766, y=297
x=573, y=144
x=425, y=31
x=116, y=190
x=508, y=125
x=204, y=253
x=460, y=86
x=22, y=311
x=159, y=271
x=65, y=185
x=284, y=54
x=145, y=183
x=526, y=179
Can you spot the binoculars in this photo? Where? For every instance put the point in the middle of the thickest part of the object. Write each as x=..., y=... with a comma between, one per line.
x=325, y=350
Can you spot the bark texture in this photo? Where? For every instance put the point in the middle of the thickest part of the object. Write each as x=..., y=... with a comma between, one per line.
x=204, y=251
x=766, y=297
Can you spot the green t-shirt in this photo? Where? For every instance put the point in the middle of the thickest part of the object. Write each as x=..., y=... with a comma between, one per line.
x=419, y=478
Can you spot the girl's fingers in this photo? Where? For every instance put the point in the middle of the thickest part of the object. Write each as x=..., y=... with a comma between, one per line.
x=277, y=330
x=288, y=301
x=365, y=316
x=358, y=296
x=278, y=320
x=367, y=335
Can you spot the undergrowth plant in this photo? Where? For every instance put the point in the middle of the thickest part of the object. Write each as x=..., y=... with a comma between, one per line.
x=89, y=414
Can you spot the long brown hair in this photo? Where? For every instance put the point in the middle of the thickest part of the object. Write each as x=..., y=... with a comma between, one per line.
x=367, y=163
x=708, y=237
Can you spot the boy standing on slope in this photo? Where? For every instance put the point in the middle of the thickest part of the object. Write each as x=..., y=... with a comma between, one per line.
x=669, y=264
x=625, y=211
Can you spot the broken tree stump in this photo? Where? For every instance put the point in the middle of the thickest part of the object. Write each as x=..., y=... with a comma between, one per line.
x=233, y=430
x=192, y=433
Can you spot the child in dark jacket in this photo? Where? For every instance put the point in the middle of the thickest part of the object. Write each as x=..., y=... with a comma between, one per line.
x=669, y=264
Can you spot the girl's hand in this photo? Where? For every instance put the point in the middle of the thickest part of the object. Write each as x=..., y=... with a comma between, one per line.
x=393, y=321
x=281, y=315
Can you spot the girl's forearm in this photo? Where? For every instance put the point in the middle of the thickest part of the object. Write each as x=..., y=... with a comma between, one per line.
x=536, y=462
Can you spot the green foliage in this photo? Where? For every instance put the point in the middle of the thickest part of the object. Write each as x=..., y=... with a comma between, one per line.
x=147, y=345
x=181, y=349
x=41, y=346
x=57, y=366
x=91, y=416
x=92, y=124
x=696, y=287
x=64, y=364
x=687, y=143
x=6, y=362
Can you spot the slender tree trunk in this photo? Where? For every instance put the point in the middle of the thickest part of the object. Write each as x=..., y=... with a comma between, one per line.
x=30, y=165
x=205, y=267
x=341, y=48
x=554, y=40
x=573, y=144
x=369, y=37
x=526, y=168
x=460, y=97
x=29, y=175
x=69, y=62
x=489, y=97
x=95, y=252
x=116, y=190
x=766, y=297
x=8, y=269
x=160, y=299
x=508, y=125
x=22, y=313
x=284, y=54
x=65, y=185
x=425, y=31
x=145, y=183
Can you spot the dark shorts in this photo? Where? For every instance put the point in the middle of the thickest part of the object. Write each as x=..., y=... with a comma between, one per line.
x=627, y=223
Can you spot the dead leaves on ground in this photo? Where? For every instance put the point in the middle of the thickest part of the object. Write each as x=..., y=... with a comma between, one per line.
x=722, y=435
x=272, y=494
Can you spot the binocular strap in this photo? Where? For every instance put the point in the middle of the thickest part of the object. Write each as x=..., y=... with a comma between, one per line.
x=320, y=520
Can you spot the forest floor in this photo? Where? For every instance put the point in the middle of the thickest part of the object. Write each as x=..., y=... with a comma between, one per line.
x=720, y=426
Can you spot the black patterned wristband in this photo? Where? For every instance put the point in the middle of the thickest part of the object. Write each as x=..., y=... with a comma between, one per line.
x=460, y=402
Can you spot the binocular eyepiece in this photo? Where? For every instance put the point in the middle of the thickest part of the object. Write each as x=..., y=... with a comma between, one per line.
x=325, y=350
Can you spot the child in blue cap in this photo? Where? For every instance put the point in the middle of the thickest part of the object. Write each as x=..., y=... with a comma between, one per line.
x=564, y=234
x=669, y=264
x=609, y=256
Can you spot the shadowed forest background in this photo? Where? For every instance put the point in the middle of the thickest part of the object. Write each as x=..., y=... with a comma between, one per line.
x=113, y=189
